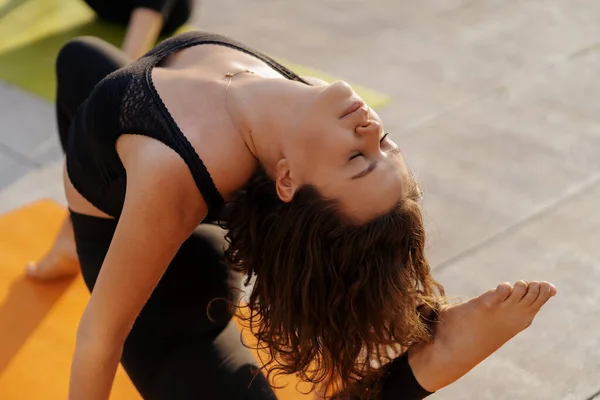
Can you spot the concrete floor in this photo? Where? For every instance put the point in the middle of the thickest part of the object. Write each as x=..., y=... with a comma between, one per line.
x=496, y=107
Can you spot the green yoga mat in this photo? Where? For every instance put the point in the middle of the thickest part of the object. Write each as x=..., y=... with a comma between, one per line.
x=32, y=32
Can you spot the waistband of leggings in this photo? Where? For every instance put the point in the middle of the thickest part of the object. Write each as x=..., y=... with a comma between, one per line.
x=88, y=227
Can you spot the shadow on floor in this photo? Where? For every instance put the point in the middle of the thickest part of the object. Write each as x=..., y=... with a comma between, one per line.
x=27, y=304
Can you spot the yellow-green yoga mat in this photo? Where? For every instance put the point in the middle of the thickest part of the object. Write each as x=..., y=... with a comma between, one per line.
x=32, y=32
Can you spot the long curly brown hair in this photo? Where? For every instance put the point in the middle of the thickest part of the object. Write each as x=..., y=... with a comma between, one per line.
x=333, y=300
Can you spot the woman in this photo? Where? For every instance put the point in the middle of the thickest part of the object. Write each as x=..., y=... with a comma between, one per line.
x=145, y=20
x=320, y=209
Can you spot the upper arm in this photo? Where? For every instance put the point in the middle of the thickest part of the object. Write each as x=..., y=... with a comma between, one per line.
x=162, y=207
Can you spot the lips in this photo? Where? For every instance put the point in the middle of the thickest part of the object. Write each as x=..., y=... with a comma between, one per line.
x=355, y=106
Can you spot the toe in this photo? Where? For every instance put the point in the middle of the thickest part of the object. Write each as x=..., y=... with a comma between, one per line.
x=31, y=269
x=519, y=290
x=533, y=292
x=34, y=270
x=51, y=268
x=546, y=291
x=493, y=297
x=503, y=290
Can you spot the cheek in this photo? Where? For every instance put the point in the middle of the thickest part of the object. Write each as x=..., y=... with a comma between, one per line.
x=403, y=168
x=302, y=155
x=314, y=164
x=401, y=178
x=314, y=141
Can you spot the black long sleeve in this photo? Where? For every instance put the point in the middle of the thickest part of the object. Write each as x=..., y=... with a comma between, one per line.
x=399, y=382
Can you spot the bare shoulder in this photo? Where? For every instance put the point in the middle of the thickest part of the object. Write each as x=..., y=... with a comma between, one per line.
x=160, y=175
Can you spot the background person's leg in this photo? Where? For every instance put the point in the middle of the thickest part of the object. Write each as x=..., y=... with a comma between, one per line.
x=80, y=65
x=180, y=13
x=115, y=11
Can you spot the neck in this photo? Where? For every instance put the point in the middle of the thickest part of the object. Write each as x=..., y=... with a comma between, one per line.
x=254, y=105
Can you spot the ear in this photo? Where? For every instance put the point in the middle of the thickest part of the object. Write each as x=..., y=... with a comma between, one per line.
x=284, y=184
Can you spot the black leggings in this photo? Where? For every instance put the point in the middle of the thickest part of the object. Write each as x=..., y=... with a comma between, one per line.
x=175, y=12
x=175, y=351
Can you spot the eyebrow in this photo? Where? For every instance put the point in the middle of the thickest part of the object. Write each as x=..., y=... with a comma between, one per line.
x=366, y=171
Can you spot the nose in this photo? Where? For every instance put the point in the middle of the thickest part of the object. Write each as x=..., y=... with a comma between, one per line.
x=370, y=128
x=370, y=132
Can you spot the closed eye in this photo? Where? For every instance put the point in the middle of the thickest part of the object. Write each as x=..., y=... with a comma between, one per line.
x=359, y=154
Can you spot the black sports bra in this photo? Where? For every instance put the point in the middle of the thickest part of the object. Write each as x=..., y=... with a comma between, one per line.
x=127, y=102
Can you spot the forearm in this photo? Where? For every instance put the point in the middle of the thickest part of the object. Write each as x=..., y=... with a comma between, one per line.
x=93, y=371
x=143, y=30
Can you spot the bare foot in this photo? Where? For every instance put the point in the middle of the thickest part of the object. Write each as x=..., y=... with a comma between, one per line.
x=61, y=261
x=469, y=332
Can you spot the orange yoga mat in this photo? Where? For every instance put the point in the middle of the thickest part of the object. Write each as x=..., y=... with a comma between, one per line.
x=38, y=320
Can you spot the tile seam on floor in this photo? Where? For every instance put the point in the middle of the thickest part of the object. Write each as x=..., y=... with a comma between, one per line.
x=17, y=156
x=578, y=190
